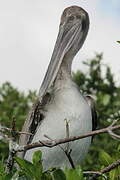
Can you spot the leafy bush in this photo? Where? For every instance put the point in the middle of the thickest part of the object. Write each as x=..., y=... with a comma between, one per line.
x=13, y=103
x=34, y=171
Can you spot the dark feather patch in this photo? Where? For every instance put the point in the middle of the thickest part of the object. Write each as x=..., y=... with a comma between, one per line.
x=37, y=115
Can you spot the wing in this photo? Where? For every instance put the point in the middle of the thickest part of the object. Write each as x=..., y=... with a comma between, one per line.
x=90, y=100
x=33, y=121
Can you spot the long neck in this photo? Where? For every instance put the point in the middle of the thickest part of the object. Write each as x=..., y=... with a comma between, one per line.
x=64, y=73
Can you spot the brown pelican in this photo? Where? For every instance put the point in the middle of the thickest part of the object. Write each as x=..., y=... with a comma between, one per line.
x=60, y=98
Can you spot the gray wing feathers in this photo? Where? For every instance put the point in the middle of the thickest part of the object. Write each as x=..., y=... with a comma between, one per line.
x=33, y=121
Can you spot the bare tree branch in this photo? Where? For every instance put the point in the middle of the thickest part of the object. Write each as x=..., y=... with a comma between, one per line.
x=3, y=129
x=12, y=147
x=56, y=142
x=95, y=173
x=67, y=151
x=111, y=166
x=115, y=136
x=106, y=169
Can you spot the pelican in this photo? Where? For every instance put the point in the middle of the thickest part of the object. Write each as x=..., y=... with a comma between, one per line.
x=60, y=99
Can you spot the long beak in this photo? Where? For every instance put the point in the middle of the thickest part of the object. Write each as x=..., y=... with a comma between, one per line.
x=65, y=41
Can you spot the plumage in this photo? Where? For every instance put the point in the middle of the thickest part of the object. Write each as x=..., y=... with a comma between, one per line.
x=59, y=97
x=91, y=101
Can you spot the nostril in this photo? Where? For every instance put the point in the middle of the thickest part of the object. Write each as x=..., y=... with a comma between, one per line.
x=78, y=17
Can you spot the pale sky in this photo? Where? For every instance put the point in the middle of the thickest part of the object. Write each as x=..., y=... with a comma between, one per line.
x=28, y=30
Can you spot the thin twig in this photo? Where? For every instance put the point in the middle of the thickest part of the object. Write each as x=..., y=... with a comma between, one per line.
x=46, y=145
x=68, y=154
x=107, y=169
x=53, y=142
x=68, y=151
x=67, y=134
x=111, y=166
x=12, y=146
x=95, y=173
x=4, y=137
x=115, y=136
x=3, y=129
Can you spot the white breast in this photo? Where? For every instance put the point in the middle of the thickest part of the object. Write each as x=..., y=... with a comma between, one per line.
x=68, y=104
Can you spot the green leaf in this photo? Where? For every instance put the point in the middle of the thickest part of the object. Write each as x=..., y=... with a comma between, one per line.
x=37, y=156
x=37, y=162
x=33, y=171
x=106, y=99
x=26, y=166
x=113, y=174
x=79, y=171
x=118, y=148
x=118, y=41
x=58, y=174
x=46, y=176
x=105, y=158
x=7, y=177
x=74, y=174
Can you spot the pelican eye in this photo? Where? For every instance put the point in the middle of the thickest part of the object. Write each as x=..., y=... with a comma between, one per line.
x=71, y=18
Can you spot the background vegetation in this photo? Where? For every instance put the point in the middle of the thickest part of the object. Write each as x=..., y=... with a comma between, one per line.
x=97, y=81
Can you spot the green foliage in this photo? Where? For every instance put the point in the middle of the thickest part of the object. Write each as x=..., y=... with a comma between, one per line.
x=74, y=174
x=3, y=174
x=106, y=160
x=34, y=171
x=13, y=103
x=58, y=174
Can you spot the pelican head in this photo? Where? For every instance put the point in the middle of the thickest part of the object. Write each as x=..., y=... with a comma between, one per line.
x=73, y=30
